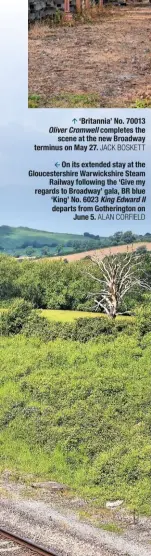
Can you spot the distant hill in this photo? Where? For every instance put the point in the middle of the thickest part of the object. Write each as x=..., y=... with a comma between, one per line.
x=30, y=242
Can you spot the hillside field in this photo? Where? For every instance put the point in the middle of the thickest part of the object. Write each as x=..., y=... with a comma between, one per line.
x=28, y=242
x=106, y=251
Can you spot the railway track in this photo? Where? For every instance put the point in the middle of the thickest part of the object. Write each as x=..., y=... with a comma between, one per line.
x=11, y=544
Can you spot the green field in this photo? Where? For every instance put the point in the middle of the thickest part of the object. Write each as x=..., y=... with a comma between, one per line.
x=56, y=315
x=69, y=316
x=66, y=316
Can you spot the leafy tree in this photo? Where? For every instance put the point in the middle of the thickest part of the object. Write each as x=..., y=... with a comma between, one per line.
x=9, y=271
x=29, y=251
x=128, y=237
x=55, y=285
x=45, y=251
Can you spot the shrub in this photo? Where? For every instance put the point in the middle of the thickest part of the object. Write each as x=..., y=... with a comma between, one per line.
x=88, y=328
x=82, y=329
x=143, y=320
x=38, y=326
x=14, y=318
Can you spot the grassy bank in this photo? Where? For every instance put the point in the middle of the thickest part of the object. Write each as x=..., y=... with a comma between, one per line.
x=79, y=413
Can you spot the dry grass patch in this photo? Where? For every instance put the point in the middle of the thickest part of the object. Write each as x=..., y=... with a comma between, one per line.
x=101, y=61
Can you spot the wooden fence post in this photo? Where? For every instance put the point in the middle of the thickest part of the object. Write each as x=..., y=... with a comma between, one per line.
x=78, y=6
x=67, y=14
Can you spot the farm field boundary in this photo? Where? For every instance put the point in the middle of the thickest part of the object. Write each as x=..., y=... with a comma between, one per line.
x=105, y=252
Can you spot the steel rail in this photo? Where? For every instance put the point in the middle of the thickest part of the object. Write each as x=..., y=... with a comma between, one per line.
x=27, y=543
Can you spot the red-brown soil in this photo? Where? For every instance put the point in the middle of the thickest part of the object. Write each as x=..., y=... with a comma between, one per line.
x=109, y=58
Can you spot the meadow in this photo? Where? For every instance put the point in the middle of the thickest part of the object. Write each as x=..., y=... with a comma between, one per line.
x=70, y=316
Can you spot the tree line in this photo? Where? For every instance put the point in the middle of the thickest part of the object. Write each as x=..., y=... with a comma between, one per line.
x=52, y=284
x=30, y=242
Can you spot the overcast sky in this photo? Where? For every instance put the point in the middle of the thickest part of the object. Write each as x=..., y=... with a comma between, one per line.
x=21, y=128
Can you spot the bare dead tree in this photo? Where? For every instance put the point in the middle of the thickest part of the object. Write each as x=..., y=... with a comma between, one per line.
x=119, y=274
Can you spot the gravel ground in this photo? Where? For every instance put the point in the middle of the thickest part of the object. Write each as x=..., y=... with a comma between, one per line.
x=50, y=521
x=8, y=548
x=110, y=58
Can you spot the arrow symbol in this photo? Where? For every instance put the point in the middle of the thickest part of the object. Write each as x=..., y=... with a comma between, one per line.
x=74, y=120
x=57, y=164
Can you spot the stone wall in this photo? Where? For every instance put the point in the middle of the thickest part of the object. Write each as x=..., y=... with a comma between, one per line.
x=39, y=9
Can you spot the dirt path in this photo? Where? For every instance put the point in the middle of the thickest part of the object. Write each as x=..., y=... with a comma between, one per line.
x=110, y=59
x=56, y=525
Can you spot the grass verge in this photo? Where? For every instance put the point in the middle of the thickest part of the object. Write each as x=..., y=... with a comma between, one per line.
x=82, y=100
x=65, y=100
